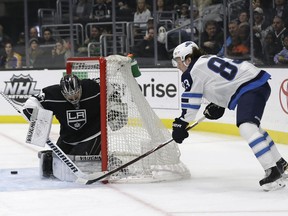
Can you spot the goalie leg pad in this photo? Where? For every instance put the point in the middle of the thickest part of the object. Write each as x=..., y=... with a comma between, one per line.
x=86, y=163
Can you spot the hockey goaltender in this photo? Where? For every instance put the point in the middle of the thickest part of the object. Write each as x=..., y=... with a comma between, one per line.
x=76, y=105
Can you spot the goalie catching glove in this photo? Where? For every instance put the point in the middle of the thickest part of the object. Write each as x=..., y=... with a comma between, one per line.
x=179, y=132
x=117, y=115
x=213, y=111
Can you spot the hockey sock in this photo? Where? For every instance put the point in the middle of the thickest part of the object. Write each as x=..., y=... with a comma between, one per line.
x=259, y=145
x=273, y=147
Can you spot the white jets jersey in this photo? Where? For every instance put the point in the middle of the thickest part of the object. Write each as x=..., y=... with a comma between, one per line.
x=219, y=80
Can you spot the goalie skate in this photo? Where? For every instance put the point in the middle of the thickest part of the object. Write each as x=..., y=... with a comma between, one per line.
x=272, y=180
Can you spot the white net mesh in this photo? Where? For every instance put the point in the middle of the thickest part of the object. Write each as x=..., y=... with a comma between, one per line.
x=133, y=128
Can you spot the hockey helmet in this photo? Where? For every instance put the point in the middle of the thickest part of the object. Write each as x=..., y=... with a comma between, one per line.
x=182, y=50
x=71, y=88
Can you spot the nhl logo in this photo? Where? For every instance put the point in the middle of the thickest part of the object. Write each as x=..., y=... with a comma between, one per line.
x=20, y=88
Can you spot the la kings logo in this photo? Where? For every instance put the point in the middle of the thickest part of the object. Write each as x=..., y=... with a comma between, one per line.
x=20, y=88
x=76, y=119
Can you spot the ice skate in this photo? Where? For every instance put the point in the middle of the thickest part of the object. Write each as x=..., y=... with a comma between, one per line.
x=282, y=165
x=273, y=180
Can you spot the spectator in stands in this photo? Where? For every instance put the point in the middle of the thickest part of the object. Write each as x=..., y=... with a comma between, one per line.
x=281, y=10
x=161, y=37
x=58, y=53
x=33, y=33
x=240, y=42
x=20, y=45
x=10, y=59
x=215, y=11
x=184, y=21
x=260, y=24
x=183, y=16
x=280, y=31
x=269, y=49
x=243, y=17
x=267, y=7
x=149, y=24
x=145, y=48
x=94, y=37
x=100, y=11
x=256, y=3
x=47, y=37
x=282, y=56
x=21, y=39
x=233, y=28
x=211, y=38
x=82, y=10
x=202, y=4
x=35, y=54
x=4, y=38
x=245, y=38
x=142, y=14
x=123, y=11
x=161, y=8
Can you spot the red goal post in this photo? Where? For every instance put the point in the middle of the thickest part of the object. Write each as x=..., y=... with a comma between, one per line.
x=82, y=64
x=136, y=130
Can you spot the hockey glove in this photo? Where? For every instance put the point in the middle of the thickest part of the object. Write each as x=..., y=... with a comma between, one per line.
x=179, y=132
x=213, y=111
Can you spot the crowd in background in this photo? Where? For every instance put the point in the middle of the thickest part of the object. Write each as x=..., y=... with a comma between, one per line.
x=270, y=35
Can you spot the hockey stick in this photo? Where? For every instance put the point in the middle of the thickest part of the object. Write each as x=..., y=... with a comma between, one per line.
x=141, y=156
x=81, y=177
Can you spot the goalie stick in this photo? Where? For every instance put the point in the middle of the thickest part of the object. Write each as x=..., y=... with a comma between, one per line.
x=81, y=177
x=141, y=156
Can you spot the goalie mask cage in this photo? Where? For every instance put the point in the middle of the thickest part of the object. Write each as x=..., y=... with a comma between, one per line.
x=133, y=132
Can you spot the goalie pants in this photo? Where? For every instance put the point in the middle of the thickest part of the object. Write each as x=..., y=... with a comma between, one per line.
x=91, y=147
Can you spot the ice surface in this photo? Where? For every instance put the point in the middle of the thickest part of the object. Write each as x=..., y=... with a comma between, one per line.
x=224, y=181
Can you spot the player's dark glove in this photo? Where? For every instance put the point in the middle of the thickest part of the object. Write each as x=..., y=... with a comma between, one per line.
x=213, y=111
x=179, y=132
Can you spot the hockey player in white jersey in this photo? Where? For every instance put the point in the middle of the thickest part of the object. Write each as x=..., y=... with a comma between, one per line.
x=228, y=83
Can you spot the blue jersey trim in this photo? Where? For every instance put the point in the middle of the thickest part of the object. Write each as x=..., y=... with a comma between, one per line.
x=192, y=95
x=263, y=151
x=190, y=106
x=256, y=142
x=259, y=81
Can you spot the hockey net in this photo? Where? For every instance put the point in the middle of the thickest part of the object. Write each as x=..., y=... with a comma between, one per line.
x=134, y=131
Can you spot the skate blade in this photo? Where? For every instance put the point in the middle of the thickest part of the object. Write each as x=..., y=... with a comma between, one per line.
x=276, y=185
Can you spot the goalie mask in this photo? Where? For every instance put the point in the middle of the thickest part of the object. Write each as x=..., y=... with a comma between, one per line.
x=71, y=89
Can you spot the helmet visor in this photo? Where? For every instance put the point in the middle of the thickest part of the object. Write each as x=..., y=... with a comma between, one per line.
x=174, y=63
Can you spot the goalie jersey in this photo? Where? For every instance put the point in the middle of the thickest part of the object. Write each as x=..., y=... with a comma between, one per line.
x=219, y=80
x=77, y=125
